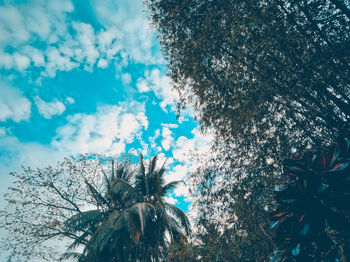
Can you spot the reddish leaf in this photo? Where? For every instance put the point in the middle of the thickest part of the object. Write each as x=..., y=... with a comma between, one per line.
x=279, y=214
x=340, y=166
x=335, y=154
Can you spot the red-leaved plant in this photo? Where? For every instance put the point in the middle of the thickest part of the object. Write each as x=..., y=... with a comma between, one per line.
x=312, y=219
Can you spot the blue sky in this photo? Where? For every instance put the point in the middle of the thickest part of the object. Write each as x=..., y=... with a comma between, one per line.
x=87, y=76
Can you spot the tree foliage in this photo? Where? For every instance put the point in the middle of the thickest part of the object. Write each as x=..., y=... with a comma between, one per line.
x=267, y=75
x=245, y=237
x=312, y=217
x=105, y=212
x=269, y=78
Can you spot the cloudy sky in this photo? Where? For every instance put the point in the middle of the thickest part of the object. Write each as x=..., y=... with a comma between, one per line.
x=87, y=76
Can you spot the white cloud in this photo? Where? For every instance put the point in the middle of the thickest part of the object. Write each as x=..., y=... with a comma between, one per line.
x=184, y=146
x=70, y=100
x=152, y=139
x=86, y=39
x=133, y=152
x=102, y=63
x=57, y=61
x=183, y=118
x=124, y=36
x=178, y=173
x=22, y=62
x=126, y=78
x=161, y=85
x=183, y=190
x=6, y=60
x=13, y=28
x=2, y=131
x=13, y=105
x=43, y=20
x=102, y=132
x=35, y=55
x=170, y=125
x=142, y=86
x=127, y=28
x=27, y=23
x=168, y=139
x=170, y=200
x=183, y=164
x=49, y=109
x=106, y=131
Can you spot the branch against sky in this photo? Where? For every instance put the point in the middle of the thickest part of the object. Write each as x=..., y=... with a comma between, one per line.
x=41, y=200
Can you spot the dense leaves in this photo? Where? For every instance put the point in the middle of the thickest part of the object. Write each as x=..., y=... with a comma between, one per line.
x=269, y=78
x=242, y=239
x=249, y=66
x=312, y=217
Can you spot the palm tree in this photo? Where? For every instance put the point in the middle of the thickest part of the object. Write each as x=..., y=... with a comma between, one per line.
x=132, y=221
x=165, y=221
x=101, y=240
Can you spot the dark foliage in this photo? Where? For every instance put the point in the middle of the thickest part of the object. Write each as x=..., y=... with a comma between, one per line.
x=269, y=78
x=248, y=66
x=312, y=217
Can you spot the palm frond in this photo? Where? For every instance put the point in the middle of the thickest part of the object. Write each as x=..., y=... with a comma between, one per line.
x=138, y=216
x=83, y=221
x=100, y=200
x=169, y=186
x=74, y=255
x=152, y=164
x=115, y=220
x=141, y=179
x=81, y=240
x=162, y=170
x=177, y=212
x=99, y=241
x=121, y=189
x=123, y=172
x=107, y=181
x=142, y=166
x=173, y=228
x=112, y=169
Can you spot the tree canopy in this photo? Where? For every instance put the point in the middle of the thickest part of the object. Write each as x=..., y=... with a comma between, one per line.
x=269, y=76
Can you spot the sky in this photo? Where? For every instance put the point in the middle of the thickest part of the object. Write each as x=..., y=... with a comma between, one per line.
x=88, y=77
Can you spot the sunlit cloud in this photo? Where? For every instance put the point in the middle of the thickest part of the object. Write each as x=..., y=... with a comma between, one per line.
x=13, y=104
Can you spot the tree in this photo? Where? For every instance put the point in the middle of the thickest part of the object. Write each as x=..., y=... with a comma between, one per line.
x=112, y=214
x=269, y=78
x=245, y=238
x=249, y=66
x=313, y=214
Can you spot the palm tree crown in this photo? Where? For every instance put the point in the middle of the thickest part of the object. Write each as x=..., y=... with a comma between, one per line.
x=132, y=221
